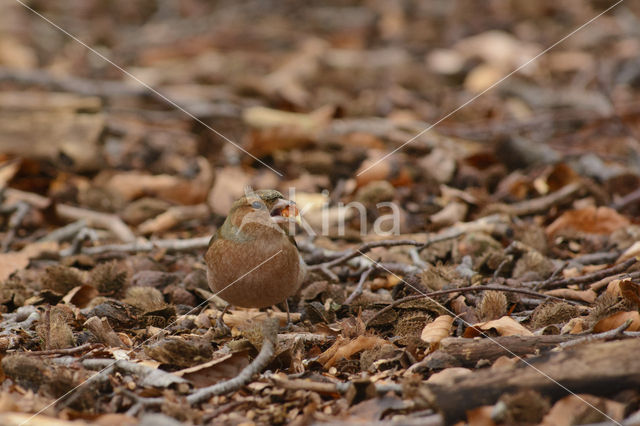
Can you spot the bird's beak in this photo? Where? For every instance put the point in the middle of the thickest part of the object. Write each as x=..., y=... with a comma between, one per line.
x=285, y=210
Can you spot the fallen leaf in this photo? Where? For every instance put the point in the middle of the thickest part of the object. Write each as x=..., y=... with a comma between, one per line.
x=340, y=349
x=132, y=185
x=588, y=295
x=480, y=416
x=616, y=320
x=505, y=326
x=572, y=410
x=14, y=261
x=590, y=220
x=630, y=291
x=222, y=366
x=633, y=251
x=437, y=330
x=81, y=295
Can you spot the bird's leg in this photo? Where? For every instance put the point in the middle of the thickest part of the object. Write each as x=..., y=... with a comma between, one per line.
x=289, y=325
x=220, y=321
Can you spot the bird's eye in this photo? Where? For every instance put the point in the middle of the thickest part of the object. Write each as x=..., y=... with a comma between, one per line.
x=256, y=205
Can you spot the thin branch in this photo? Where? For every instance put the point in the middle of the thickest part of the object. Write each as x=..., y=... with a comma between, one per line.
x=267, y=352
x=587, y=279
x=611, y=334
x=363, y=249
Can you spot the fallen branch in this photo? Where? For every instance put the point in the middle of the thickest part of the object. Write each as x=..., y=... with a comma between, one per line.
x=462, y=352
x=611, y=334
x=541, y=204
x=145, y=246
x=350, y=254
x=600, y=369
x=267, y=352
x=65, y=351
x=586, y=279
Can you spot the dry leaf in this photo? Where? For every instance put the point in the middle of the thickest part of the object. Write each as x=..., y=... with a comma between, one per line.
x=590, y=220
x=81, y=295
x=437, y=330
x=572, y=410
x=616, y=320
x=8, y=169
x=633, y=251
x=480, y=416
x=505, y=326
x=132, y=185
x=574, y=326
x=340, y=350
x=588, y=295
x=221, y=367
x=630, y=291
x=14, y=261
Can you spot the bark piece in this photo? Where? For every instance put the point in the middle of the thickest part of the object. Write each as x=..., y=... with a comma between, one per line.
x=599, y=369
x=100, y=328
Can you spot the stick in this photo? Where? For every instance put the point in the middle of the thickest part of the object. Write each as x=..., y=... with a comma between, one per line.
x=65, y=351
x=363, y=249
x=358, y=291
x=144, y=246
x=616, y=332
x=589, y=278
x=270, y=333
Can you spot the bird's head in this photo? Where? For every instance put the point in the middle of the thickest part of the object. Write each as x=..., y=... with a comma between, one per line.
x=265, y=207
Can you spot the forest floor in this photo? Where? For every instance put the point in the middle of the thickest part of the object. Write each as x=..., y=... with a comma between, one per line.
x=506, y=291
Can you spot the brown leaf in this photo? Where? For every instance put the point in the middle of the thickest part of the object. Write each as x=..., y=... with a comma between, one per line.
x=223, y=366
x=588, y=295
x=81, y=295
x=505, y=326
x=481, y=416
x=132, y=185
x=630, y=291
x=14, y=261
x=437, y=330
x=572, y=410
x=340, y=349
x=616, y=320
x=590, y=220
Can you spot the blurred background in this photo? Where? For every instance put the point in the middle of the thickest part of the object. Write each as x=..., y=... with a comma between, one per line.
x=317, y=91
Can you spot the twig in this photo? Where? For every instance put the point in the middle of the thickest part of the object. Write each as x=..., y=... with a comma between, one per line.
x=65, y=351
x=544, y=203
x=589, y=278
x=65, y=233
x=95, y=219
x=144, y=246
x=270, y=333
x=630, y=198
x=358, y=291
x=616, y=332
x=597, y=258
x=361, y=250
x=103, y=88
x=489, y=224
x=85, y=234
x=460, y=290
x=21, y=210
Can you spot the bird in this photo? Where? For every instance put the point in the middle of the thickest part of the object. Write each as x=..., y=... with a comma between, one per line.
x=252, y=260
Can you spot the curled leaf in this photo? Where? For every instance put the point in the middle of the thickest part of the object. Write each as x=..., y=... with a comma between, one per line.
x=437, y=330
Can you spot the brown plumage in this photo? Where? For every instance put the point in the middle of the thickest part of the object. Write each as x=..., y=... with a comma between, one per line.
x=258, y=229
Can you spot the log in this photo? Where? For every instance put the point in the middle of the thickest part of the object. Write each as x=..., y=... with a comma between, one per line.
x=601, y=369
x=467, y=352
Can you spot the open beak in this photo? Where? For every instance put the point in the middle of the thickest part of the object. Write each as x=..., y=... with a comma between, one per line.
x=285, y=211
